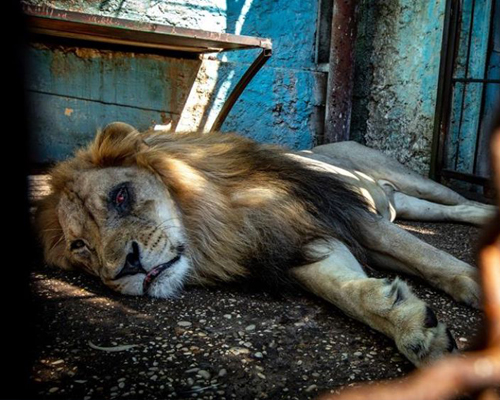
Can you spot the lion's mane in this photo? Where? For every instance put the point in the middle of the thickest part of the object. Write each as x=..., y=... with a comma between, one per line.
x=247, y=209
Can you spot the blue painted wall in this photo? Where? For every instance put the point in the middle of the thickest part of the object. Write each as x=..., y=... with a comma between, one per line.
x=74, y=91
x=284, y=96
x=471, y=62
x=279, y=106
x=473, y=104
x=396, y=76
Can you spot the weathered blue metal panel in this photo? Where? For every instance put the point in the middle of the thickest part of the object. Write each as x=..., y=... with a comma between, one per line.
x=467, y=97
x=62, y=124
x=474, y=91
x=492, y=97
x=75, y=90
x=279, y=106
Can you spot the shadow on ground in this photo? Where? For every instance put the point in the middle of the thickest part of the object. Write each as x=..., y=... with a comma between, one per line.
x=220, y=343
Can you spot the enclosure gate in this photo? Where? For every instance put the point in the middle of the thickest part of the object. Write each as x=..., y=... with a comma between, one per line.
x=468, y=93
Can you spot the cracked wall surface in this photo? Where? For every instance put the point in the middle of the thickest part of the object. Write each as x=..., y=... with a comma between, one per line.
x=396, y=75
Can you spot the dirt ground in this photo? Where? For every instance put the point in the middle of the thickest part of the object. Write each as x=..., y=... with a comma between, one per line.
x=220, y=343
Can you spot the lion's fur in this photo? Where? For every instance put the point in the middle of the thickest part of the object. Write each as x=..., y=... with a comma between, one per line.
x=149, y=212
x=247, y=209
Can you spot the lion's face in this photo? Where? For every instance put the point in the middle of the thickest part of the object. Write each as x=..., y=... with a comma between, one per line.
x=121, y=224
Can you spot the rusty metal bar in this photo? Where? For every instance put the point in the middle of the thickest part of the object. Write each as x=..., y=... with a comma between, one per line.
x=474, y=80
x=466, y=74
x=463, y=176
x=444, y=91
x=75, y=25
x=341, y=72
x=252, y=70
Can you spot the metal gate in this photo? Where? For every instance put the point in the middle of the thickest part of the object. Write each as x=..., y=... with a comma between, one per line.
x=468, y=93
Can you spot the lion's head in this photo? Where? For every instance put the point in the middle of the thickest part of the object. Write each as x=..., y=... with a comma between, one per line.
x=114, y=219
x=147, y=212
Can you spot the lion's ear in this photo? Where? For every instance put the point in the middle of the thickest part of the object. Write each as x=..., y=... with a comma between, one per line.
x=115, y=145
x=50, y=232
x=115, y=131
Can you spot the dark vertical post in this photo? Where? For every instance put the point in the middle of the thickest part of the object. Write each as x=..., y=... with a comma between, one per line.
x=341, y=71
x=442, y=111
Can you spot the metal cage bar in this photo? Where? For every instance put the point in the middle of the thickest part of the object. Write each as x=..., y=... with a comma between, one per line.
x=450, y=86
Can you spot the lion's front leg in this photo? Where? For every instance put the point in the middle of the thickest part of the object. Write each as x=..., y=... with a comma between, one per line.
x=389, y=307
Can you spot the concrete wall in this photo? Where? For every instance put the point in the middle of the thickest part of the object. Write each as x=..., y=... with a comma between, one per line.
x=279, y=106
x=397, y=65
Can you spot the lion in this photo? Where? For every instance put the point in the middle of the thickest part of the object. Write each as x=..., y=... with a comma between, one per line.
x=151, y=212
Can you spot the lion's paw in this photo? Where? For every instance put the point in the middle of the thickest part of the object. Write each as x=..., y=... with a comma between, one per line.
x=466, y=290
x=425, y=339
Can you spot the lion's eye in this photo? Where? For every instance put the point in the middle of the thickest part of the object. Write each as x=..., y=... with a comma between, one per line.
x=120, y=199
x=77, y=244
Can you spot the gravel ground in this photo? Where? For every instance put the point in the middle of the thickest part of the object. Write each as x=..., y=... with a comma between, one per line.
x=220, y=343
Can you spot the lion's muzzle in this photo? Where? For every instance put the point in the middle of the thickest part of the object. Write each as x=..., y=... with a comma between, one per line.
x=132, y=263
x=156, y=271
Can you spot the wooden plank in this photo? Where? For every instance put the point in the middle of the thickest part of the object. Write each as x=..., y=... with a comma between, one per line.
x=62, y=124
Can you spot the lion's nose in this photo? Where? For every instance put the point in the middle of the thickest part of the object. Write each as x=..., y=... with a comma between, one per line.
x=132, y=263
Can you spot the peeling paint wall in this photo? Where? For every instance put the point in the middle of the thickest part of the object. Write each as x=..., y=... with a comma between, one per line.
x=76, y=90
x=208, y=15
x=280, y=105
x=397, y=63
x=397, y=66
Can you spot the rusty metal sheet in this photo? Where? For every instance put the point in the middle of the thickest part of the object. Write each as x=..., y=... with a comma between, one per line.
x=50, y=21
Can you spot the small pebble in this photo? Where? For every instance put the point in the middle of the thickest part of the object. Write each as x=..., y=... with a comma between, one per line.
x=190, y=371
x=204, y=374
x=311, y=388
x=184, y=323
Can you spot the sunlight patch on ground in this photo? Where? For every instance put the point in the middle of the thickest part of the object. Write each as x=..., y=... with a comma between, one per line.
x=57, y=289
x=419, y=229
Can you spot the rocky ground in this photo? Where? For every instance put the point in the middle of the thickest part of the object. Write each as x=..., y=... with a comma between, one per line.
x=220, y=343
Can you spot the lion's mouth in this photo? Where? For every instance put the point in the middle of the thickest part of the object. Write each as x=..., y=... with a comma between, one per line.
x=156, y=271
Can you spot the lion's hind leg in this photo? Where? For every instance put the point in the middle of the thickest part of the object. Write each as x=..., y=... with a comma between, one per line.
x=392, y=247
x=389, y=307
x=412, y=208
